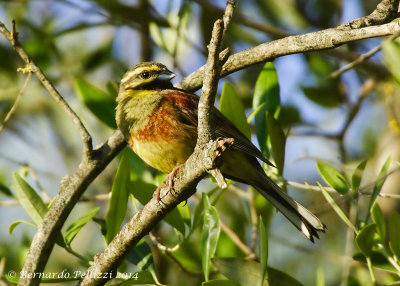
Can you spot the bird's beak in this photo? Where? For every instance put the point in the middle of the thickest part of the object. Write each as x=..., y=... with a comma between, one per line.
x=166, y=75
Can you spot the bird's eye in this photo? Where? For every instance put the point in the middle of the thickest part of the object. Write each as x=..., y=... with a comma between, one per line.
x=145, y=75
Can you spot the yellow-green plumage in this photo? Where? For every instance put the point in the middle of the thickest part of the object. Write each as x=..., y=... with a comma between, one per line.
x=159, y=123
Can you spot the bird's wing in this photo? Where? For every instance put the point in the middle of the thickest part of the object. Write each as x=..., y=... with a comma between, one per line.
x=225, y=128
x=187, y=103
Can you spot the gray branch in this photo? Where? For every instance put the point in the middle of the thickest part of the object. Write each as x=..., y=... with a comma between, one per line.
x=204, y=158
x=310, y=42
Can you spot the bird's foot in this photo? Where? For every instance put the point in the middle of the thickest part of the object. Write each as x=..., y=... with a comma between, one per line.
x=170, y=180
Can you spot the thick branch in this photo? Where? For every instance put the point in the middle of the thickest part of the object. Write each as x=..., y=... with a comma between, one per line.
x=385, y=11
x=378, y=70
x=203, y=159
x=311, y=42
x=71, y=189
x=154, y=211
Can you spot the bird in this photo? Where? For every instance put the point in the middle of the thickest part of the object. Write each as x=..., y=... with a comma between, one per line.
x=159, y=123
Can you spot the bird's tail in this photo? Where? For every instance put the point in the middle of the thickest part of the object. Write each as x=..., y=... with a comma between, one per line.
x=299, y=216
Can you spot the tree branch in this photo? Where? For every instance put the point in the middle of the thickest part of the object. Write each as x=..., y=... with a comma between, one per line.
x=71, y=189
x=12, y=110
x=310, y=42
x=13, y=39
x=154, y=211
x=210, y=85
x=385, y=11
x=378, y=70
x=203, y=159
x=362, y=58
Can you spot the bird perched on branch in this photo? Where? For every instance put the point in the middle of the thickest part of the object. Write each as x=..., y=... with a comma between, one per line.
x=159, y=123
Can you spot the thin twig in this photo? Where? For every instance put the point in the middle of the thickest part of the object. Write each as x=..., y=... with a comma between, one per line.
x=362, y=58
x=332, y=190
x=205, y=131
x=359, y=60
x=233, y=236
x=237, y=241
x=346, y=268
x=254, y=221
x=85, y=136
x=230, y=7
x=169, y=252
x=96, y=198
x=15, y=105
x=210, y=84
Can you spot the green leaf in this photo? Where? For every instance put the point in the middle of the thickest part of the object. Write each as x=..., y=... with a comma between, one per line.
x=333, y=177
x=209, y=236
x=365, y=239
x=5, y=190
x=139, y=169
x=278, y=142
x=32, y=203
x=119, y=198
x=198, y=215
x=325, y=95
x=98, y=57
x=143, y=192
x=378, y=186
x=394, y=233
x=101, y=104
x=263, y=249
x=378, y=260
x=263, y=207
x=137, y=278
x=336, y=208
x=101, y=223
x=15, y=223
x=78, y=224
x=320, y=276
x=289, y=116
x=379, y=220
x=141, y=256
x=391, y=53
x=232, y=107
x=220, y=282
x=247, y=272
x=29, y=199
x=357, y=175
x=266, y=94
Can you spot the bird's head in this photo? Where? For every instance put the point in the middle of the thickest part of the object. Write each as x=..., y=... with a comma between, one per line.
x=148, y=75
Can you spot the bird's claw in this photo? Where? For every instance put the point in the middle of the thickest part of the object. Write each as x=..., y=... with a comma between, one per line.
x=170, y=179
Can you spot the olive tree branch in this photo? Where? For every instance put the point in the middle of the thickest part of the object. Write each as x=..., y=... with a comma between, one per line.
x=12, y=110
x=206, y=153
x=32, y=67
x=362, y=58
x=310, y=42
x=385, y=11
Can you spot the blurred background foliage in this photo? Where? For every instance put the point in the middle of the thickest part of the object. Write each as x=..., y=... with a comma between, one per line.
x=84, y=47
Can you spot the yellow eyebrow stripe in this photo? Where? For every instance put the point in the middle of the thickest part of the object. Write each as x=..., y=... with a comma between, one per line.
x=133, y=73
